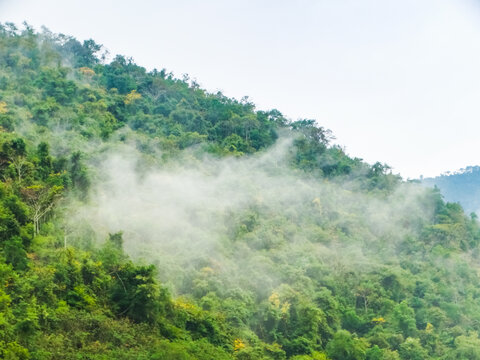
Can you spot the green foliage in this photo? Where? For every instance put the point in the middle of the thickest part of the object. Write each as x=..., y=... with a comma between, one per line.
x=15, y=253
x=347, y=347
x=134, y=293
x=404, y=320
x=412, y=349
x=333, y=286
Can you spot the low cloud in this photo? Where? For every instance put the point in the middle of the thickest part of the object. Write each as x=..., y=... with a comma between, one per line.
x=247, y=220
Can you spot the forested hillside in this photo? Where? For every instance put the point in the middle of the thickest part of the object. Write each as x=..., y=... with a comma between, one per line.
x=142, y=217
x=462, y=186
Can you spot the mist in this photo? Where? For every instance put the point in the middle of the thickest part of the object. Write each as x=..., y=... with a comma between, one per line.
x=244, y=220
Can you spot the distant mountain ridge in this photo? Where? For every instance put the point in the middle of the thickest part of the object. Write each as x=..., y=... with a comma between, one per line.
x=461, y=186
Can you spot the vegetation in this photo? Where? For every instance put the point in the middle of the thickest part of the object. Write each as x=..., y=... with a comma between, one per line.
x=328, y=258
x=460, y=186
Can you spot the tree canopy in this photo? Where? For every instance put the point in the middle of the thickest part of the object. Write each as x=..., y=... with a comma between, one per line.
x=331, y=258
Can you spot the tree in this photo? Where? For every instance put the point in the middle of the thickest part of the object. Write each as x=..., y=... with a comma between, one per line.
x=40, y=199
x=411, y=349
x=45, y=161
x=467, y=347
x=135, y=293
x=22, y=167
x=78, y=173
x=404, y=319
x=345, y=346
x=15, y=254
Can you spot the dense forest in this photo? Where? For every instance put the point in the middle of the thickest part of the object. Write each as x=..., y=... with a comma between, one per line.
x=461, y=186
x=142, y=217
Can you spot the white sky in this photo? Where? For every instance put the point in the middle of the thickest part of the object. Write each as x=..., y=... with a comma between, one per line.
x=396, y=81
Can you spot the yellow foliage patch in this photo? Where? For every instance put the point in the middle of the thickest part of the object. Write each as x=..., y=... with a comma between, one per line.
x=32, y=256
x=238, y=344
x=207, y=270
x=86, y=71
x=132, y=97
x=274, y=300
x=3, y=107
x=285, y=308
x=379, y=320
x=35, y=187
x=429, y=328
x=179, y=303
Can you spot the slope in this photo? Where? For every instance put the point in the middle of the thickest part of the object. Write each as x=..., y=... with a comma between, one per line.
x=266, y=241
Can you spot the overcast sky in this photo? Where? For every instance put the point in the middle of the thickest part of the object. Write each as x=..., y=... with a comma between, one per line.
x=396, y=81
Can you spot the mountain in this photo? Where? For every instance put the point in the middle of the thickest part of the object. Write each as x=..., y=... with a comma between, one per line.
x=461, y=186
x=142, y=217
